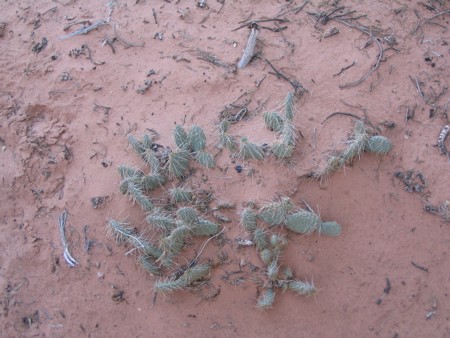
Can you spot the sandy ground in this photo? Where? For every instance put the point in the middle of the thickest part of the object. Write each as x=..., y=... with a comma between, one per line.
x=64, y=123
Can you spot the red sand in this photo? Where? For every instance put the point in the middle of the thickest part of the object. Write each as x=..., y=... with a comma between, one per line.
x=59, y=151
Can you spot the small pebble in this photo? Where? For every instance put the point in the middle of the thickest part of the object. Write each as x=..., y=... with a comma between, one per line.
x=238, y=168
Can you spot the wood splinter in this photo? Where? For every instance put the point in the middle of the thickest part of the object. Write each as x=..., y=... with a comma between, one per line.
x=441, y=140
x=250, y=48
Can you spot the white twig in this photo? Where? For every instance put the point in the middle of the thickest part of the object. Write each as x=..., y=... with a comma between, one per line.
x=85, y=30
x=250, y=48
x=67, y=256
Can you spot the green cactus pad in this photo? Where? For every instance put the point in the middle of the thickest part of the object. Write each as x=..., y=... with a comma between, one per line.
x=173, y=243
x=273, y=121
x=289, y=134
x=161, y=220
x=126, y=171
x=260, y=239
x=282, y=150
x=272, y=270
x=274, y=213
x=180, y=194
x=166, y=286
x=147, y=141
x=266, y=255
x=248, y=219
x=180, y=137
x=227, y=141
x=152, y=181
x=266, y=299
x=187, y=215
x=249, y=150
x=196, y=273
x=332, y=229
x=303, y=222
x=378, y=145
x=136, y=145
x=197, y=138
x=205, y=228
x=205, y=159
x=302, y=288
x=178, y=163
x=149, y=264
x=289, y=106
x=133, y=188
x=224, y=125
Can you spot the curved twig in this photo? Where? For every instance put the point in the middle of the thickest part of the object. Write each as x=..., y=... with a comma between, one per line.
x=429, y=19
x=342, y=113
x=363, y=30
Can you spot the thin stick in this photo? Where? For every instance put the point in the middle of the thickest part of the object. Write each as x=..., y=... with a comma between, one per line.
x=259, y=21
x=385, y=291
x=154, y=16
x=78, y=22
x=345, y=68
x=53, y=9
x=342, y=113
x=85, y=30
x=314, y=139
x=417, y=83
x=419, y=266
x=294, y=83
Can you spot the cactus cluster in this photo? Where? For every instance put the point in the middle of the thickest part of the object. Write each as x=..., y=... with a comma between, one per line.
x=190, y=145
x=173, y=224
x=360, y=141
x=225, y=140
x=281, y=123
x=270, y=244
x=182, y=217
x=278, y=121
x=187, y=278
x=278, y=213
